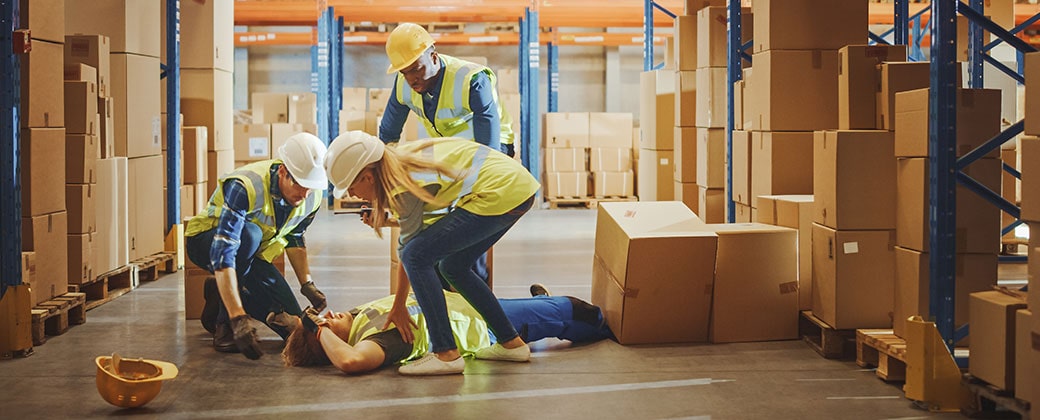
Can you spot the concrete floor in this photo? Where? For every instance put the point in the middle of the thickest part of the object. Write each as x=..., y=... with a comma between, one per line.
x=774, y=380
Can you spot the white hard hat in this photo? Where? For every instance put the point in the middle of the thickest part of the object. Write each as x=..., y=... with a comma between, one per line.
x=348, y=155
x=303, y=154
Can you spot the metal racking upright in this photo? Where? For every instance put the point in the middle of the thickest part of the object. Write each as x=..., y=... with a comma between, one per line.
x=530, y=122
x=327, y=74
x=10, y=188
x=553, y=57
x=648, y=33
x=172, y=72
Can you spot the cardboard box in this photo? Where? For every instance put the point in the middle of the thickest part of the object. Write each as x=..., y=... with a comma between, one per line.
x=112, y=208
x=377, y=99
x=146, y=224
x=686, y=98
x=207, y=100
x=565, y=160
x=853, y=277
x=793, y=211
x=46, y=235
x=690, y=7
x=81, y=155
x=854, y=180
x=609, y=160
x=858, y=78
x=43, y=187
x=80, y=251
x=610, y=129
x=822, y=24
x=279, y=134
x=978, y=120
x=655, y=169
x=1032, y=93
x=992, y=350
x=738, y=105
x=1033, y=271
x=566, y=184
x=107, y=128
x=43, y=94
x=782, y=163
x=713, y=37
x=566, y=130
x=131, y=25
x=711, y=97
x=218, y=164
x=78, y=72
x=45, y=19
x=688, y=193
x=1024, y=378
x=252, y=142
x=793, y=91
x=754, y=302
x=686, y=154
x=973, y=273
x=188, y=208
x=200, y=196
x=356, y=99
x=742, y=163
x=80, y=107
x=196, y=139
x=135, y=90
x=81, y=202
x=747, y=103
x=613, y=184
x=685, y=36
x=508, y=80
x=92, y=50
x=656, y=110
x=163, y=120
x=742, y=213
x=895, y=78
x=303, y=108
x=711, y=157
x=711, y=204
x=207, y=35
x=194, y=295
x=1030, y=169
x=650, y=256
x=977, y=221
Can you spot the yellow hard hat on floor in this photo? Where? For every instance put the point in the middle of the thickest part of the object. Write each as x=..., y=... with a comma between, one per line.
x=406, y=44
x=131, y=382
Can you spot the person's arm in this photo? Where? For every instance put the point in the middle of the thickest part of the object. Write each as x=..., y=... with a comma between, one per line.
x=226, y=242
x=487, y=124
x=394, y=118
x=363, y=357
x=296, y=251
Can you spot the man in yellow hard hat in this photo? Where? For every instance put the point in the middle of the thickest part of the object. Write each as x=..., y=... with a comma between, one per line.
x=257, y=212
x=452, y=97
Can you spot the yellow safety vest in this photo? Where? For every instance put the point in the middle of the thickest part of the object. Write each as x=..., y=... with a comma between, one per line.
x=453, y=112
x=256, y=177
x=469, y=328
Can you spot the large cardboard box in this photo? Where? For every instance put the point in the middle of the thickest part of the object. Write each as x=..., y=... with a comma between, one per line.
x=207, y=35
x=270, y=107
x=145, y=213
x=612, y=184
x=303, y=108
x=686, y=154
x=858, y=76
x=377, y=100
x=782, y=163
x=81, y=112
x=655, y=171
x=821, y=24
x=280, y=133
x=112, y=207
x=690, y=7
x=81, y=202
x=793, y=211
x=609, y=159
x=92, y=50
x=656, y=110
x=650, y=256
x=977, y=221
x=688, y=194
x=711, y=157
x=252, y=142
x=46, y=235
x=711, y=97
x=45, y=19
x=43, y=184
x=1024, y=377
x=565, y=160
x=218, y=164
x=207, y=100
x=566, y=129
x=1032, y=93
x=685, y=39
x=1033, y=271
x=854, y=180
x=135, y=90
x=686, y=98
x=853, y=277
x=1030, y=169
x=754, y=302
x=992, y=349
x=898, y=77
x=973, y=273
x=978, y=120
x=742, y=213
x=80, y=254
x=711, y=204
x=81, y=155
x=132, y=25
x=42, y=92
x=793, y=91
x=356, y=99
x=196, y=139
x=713, y=37
x=566, y=184
x=609, y=129
x=742, y=164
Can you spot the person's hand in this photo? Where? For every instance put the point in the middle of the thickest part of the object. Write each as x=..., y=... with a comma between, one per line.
x=404, y=323
x=315, y=296
x=366, y=215
x=245, y=337
x=508, y=150
x=312, y=319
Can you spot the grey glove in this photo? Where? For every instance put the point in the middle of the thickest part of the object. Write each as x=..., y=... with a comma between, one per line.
x=311, y=292
x=245, y=337
x=312, y=320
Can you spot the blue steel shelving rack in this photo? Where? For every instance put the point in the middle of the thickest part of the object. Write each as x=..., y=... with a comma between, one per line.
x=530, y=122
x=172, y=72
x=10, y=189
x=327, y=75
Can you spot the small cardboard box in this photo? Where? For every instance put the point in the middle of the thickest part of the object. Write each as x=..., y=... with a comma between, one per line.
x=252, y=142
x=207, y=97
x=793, y=91
x=895, y=78
x=992, y=349
x=688, y=193
x=566, y=129
x=853, y=277
x=711, y=157
x=686, y=98
x=713, y=37
x=782, y=163
x=566, y=184
x=612, y=184
x=303, y=108
x=685, y=30
x=793, y=211
x=137, y=119
x=565, y=160
x=207, y=35
x=80, y=249
x=81, y=156
x=46, y=235
x=93, y=51
x=854, y=180
x=270, y=107
x=711, y=97
x=858, y=77
x=610, y=159
x=133, y=26
x=42, y=92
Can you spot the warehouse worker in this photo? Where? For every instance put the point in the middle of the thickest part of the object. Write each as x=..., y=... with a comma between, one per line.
x=452, y=97
x=257, y=212
x=485, y=191
x=357, y=341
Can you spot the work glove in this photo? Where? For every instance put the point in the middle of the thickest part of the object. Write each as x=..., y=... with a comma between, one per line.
x=245, y=337
x=508, y=150
x=312, y=320
x=315, y=296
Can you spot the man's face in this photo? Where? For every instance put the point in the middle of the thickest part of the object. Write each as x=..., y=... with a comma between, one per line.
x=292, y=192
x=421, y=73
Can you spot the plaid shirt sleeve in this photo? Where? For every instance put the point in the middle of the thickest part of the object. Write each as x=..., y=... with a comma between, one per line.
x=228, y=235
x=295, y=238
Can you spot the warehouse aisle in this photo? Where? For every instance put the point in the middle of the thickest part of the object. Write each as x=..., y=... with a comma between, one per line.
x=775, y=380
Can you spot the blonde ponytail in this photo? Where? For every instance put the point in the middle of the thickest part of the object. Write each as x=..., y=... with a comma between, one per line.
x=395, y=170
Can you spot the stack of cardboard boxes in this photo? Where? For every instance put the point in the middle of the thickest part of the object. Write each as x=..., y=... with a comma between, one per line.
x=566, y=137
x=82, y=150
x=584, y=146
x=276, y=117
x=656, y=155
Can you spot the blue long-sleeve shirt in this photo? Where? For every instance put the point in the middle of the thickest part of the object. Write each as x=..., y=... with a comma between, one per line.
x=227, y=238
x=486, y=120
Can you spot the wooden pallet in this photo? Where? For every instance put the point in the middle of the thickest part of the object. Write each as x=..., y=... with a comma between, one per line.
x=988, y=401
x=54, y=316
x=828, y=342
x=108, y=286
x=148, y=267
x=364, y=27
x=584, y=202
x=884, y=350
x=445, y=27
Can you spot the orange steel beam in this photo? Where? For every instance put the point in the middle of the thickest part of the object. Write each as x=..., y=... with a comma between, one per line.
x=248, y=39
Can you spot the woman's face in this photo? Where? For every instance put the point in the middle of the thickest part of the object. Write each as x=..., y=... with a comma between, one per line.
x=340, y=324
x=364, y=187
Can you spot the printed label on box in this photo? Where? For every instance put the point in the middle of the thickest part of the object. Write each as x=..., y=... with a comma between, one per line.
x=259, y=147
x=156, y=132
x=851, y=247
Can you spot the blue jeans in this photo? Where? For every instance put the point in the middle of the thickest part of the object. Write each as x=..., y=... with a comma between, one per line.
x=452, y=245
x=261, y=286
x=562, y=317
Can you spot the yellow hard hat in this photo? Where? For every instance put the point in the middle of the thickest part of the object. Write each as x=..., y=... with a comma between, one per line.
x=406, y=44
x=134, y=382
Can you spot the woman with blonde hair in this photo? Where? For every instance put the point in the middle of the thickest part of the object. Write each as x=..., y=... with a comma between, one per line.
x=484, y=193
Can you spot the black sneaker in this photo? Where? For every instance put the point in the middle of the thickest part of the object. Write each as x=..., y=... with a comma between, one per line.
x=212, y=306
x=539, y=289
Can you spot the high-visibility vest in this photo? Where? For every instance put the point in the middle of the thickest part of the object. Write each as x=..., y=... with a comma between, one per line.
x=454, y=116
x=256, y=177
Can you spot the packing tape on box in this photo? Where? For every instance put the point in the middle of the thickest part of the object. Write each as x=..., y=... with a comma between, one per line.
x=789, y=287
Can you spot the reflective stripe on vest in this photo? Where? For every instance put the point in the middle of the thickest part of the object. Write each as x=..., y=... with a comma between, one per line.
x=474, y=171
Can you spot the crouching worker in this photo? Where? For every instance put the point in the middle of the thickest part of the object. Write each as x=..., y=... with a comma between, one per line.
x=257, y=212
x=356, y=341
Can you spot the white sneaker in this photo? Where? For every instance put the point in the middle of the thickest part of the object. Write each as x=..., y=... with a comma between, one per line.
x=431, y=365
x=497, y=352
